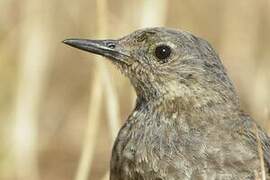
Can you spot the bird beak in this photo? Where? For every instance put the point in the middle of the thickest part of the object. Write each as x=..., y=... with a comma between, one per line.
x=107, y=48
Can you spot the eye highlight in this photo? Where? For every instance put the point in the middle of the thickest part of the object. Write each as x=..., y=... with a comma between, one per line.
x=163, y=52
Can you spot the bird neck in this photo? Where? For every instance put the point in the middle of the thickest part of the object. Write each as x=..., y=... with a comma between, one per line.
x=178, y=113
x=202, y=103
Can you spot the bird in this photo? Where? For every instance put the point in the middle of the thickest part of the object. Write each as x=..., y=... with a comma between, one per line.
x=187, y=123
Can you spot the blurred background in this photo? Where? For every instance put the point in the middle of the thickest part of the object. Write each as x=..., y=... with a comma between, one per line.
x=60, y=108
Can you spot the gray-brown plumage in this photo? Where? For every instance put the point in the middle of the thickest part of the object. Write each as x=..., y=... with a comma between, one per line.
x=187, y=123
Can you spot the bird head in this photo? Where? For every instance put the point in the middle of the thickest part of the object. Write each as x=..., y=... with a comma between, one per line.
x=163, y=63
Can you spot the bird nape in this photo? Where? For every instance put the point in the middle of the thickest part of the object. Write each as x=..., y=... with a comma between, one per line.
x=187, y=123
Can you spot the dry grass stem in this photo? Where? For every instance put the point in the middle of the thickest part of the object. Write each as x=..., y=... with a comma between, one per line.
x=101, y=83
x=151, y=17
x=106, y=176
x=34, y=61
x=112, y=104
x=233, y=38
x=92, y=128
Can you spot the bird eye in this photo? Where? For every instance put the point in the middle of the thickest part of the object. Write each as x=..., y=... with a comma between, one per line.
x=162, y=52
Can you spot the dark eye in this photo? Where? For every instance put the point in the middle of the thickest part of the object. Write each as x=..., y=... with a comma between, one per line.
x=162, y=52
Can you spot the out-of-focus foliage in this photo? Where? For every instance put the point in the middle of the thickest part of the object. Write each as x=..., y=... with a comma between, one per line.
x=46, y=87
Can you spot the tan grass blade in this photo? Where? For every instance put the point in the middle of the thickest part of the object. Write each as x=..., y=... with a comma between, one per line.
x=106, y=176
x=100, y=83
x=92, y=128
x=112, y=104
x=234, y=23
x=33, y=65
x=152, y=16
x=111, y=95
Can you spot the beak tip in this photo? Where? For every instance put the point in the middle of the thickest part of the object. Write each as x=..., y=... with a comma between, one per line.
x=67, y=41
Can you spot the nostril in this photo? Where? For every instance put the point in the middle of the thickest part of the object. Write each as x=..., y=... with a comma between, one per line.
x=111, y=45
